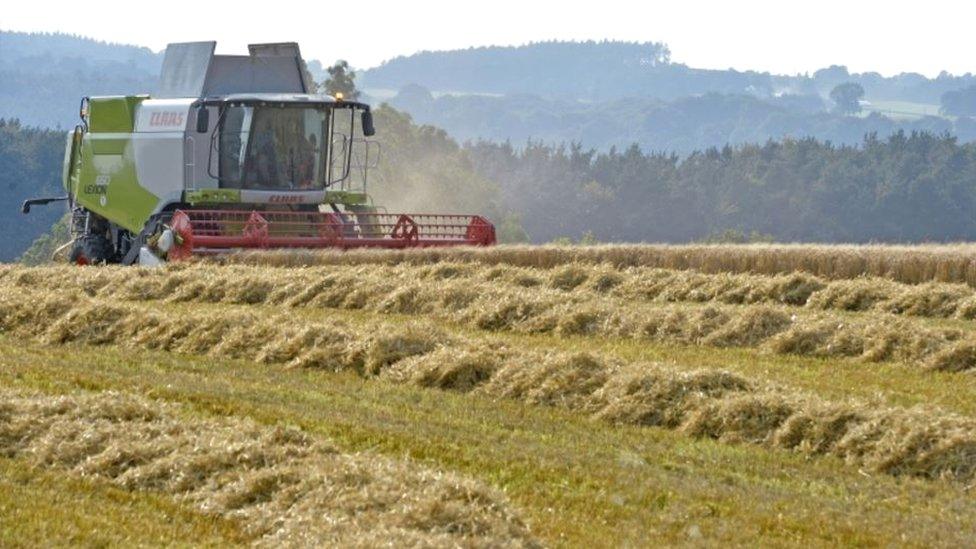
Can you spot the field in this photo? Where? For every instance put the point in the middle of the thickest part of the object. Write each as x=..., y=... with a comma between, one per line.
x=515, y=396
x=902, y=110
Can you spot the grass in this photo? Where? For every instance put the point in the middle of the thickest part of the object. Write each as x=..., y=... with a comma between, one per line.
x=45, y=508
x=902, y=110
x=575, y=482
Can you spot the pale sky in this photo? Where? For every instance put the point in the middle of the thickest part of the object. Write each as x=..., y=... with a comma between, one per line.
x=778, y=36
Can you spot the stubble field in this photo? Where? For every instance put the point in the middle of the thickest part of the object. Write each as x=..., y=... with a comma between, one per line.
x=516, y=396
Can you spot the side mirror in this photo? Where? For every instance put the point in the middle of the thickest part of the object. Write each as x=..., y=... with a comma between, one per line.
x=203, y=119
x=368, y=129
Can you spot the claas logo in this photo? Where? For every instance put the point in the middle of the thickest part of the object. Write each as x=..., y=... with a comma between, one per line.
x=286, y=198
x=166, y=119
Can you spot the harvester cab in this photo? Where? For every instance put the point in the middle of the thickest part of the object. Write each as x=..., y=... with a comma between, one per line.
x=232, y=152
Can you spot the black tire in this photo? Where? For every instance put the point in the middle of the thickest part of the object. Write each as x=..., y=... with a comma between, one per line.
x=92, y=250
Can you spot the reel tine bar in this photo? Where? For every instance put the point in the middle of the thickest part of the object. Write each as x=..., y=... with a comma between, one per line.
x=210, y=231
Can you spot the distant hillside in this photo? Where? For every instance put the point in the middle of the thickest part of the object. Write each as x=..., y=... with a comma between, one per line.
x=681, y=125
x=611, y=70
x=570, y=70
x=42, y=45
x=43, y=76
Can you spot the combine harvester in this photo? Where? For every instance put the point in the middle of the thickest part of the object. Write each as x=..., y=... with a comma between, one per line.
x=232, y=152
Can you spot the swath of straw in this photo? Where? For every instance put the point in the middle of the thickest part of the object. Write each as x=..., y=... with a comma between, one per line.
x=714, y=404
x=465, y=295
x=282, y=486
x=909, y=264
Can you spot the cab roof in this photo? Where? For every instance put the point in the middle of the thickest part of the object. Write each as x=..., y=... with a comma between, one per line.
x=288, y=98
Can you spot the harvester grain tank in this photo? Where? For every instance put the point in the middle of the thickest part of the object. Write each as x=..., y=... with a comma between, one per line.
x=232, y=152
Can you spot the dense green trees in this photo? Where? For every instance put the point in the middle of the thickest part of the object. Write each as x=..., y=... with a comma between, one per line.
x=960, y=102
x=906, y=188
x=847, y=97
x=30, y=166
x=341, y=80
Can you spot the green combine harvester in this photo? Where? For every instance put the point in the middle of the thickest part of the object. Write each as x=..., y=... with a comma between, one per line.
x=232, y=152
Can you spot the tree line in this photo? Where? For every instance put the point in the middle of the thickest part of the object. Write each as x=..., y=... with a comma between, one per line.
x=908, y=187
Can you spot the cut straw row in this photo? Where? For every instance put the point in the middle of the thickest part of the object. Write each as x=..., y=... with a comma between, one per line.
x=484, y=301
x=706, y=403
x=909, y=264
x=283, y=487
x=930, y=300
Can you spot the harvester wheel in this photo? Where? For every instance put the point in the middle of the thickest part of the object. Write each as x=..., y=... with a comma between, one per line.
x=91, y=250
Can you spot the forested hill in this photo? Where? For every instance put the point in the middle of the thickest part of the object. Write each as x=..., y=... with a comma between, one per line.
x=44, y=76
x=30, y=166
x=642, y=96
x=20, y=47
x=905, y=188
x=606, y=94
x=610, y=70
x=682, y=125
